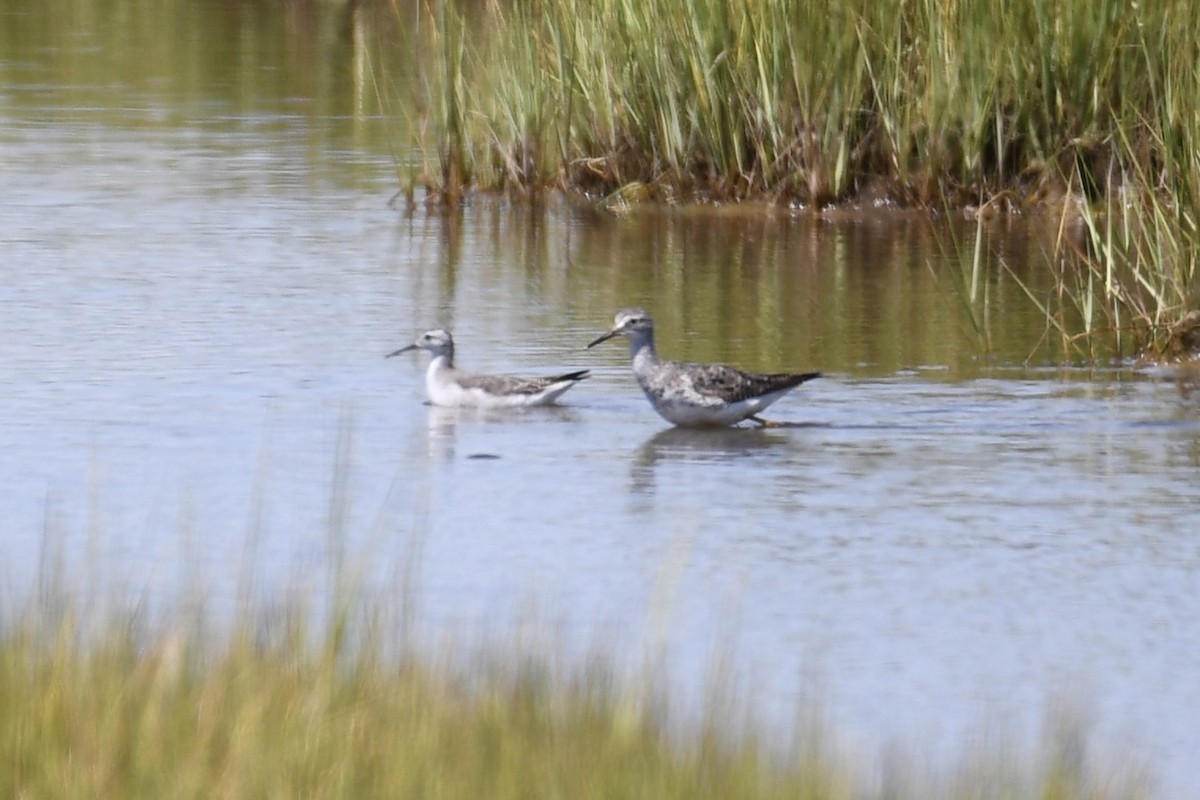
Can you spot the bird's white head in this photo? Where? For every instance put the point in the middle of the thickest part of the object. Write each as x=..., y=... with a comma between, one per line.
x=632, y=322
x=437, y=342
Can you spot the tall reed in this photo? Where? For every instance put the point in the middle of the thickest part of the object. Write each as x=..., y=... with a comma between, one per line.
x=928, y=102
x=816, y=101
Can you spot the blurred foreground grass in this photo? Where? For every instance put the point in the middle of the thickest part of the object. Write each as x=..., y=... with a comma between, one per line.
x=272, y=708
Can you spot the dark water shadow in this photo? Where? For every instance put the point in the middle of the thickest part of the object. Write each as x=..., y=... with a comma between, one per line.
x=701, y=445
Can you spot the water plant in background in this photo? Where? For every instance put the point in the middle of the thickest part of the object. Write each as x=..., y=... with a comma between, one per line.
x=814, y=101
x=1081, y=106
x=658, y=99
x=1125, y=278
x=968, y=284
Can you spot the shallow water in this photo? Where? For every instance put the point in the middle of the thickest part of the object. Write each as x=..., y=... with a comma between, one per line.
x=194, y=319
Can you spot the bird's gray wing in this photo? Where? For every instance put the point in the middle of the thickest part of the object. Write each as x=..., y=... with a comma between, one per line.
x=732, y=384
x=507, y=384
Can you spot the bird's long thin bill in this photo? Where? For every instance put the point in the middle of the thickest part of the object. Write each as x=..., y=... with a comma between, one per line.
x=603, y=338
x=401, y=350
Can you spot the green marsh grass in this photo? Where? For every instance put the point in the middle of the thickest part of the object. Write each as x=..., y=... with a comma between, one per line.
x=816, y=102
x=1084, y=106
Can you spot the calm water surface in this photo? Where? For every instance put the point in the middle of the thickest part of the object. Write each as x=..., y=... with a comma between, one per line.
x=194, y=317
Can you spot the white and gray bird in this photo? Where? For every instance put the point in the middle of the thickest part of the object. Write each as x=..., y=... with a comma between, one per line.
x=451, y=387
x=697, y=395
